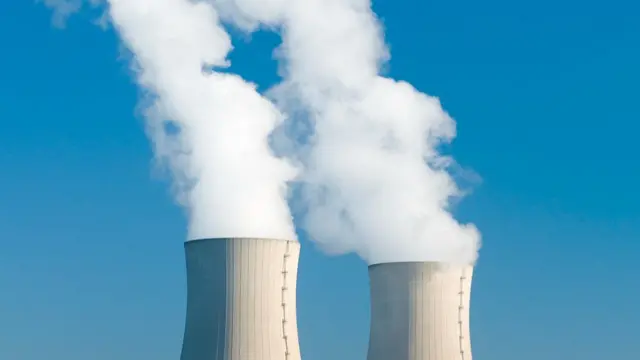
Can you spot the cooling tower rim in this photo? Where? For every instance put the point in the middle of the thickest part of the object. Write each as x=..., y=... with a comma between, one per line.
x=198, y=240
x=444, y=263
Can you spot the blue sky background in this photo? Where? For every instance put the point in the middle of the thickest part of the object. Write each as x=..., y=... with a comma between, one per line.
x=546, y=99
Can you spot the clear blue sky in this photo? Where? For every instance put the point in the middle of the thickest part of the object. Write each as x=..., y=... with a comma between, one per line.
x=546, y=99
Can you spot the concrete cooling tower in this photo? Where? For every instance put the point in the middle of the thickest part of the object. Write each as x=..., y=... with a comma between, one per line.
x=419, y=311
x=241, y=300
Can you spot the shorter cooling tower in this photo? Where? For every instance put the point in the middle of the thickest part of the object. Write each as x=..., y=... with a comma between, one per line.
x=241, y=300
x=419, y=311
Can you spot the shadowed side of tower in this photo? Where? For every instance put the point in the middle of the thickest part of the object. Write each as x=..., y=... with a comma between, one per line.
x=419, y=311
x=241, y=300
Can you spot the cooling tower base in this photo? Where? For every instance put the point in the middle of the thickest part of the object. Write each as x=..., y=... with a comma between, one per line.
x=241, y=300
x=419, y=311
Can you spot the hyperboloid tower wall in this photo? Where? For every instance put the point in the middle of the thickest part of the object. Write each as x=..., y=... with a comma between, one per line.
x=419, y=311
x=241, y=300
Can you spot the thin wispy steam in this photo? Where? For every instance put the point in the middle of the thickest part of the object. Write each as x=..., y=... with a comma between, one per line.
x=374, y=180
x=210, y=129
x=62, y=9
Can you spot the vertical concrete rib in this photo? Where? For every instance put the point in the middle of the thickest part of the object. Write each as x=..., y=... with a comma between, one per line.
x=419, y=311
x=241, y=300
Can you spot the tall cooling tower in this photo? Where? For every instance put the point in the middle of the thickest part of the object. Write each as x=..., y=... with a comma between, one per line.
x=241, y=300
x=419, y=311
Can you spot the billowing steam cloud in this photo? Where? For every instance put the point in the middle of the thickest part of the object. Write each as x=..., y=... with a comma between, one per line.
x=374, y=181
x=210, y=128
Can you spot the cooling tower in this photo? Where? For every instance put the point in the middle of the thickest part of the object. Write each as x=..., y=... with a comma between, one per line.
x=419, y=311
x=241, y=300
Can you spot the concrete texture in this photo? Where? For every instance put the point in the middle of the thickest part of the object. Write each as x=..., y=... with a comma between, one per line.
x=241, y=300
x=419, y=311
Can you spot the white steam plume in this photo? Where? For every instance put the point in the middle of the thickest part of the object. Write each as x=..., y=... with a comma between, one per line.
x=375, y=182
x=210, y=128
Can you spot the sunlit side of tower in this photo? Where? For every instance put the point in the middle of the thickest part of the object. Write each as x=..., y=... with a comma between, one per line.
x=420, y=311
x=241, y=300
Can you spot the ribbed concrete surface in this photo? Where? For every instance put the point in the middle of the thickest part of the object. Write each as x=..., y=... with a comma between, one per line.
x=419, y=311
x=241, y=300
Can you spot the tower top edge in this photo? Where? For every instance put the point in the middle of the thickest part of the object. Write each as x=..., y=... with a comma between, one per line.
x=239, y=238
x=416, y=263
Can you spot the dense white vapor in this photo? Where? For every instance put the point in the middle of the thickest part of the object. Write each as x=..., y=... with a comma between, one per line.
x=374, y=180
x=210, y=128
